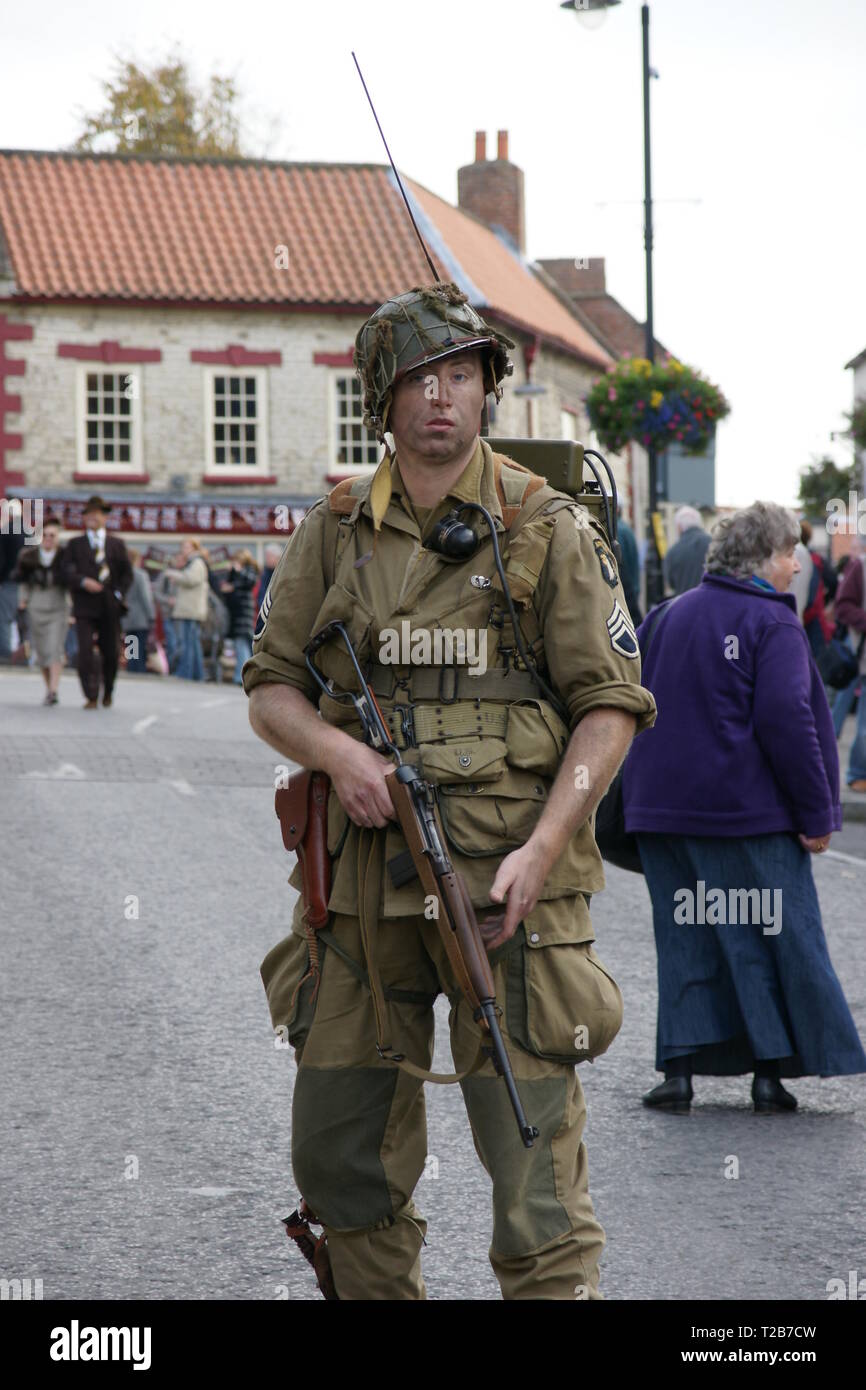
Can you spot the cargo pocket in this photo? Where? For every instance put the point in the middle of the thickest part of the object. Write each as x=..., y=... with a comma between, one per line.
x=485, y=818
x=536, y=737
x=290, y=995
x=562, y=1003
x=463, y=761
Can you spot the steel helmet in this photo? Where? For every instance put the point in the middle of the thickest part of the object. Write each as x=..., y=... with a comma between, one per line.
x=420, y=326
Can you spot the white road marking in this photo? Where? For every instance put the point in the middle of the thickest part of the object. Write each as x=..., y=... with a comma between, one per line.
x=65, y=772
x=141, y=724
x=846, y=858
x=220, y=700
x=211, y=1191
x=180, y=784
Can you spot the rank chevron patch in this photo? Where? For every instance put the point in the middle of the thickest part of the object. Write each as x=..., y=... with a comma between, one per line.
x=621, y=632
x=264, y=614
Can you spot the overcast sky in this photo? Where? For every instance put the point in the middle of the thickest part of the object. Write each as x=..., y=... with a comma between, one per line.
x=757, y=113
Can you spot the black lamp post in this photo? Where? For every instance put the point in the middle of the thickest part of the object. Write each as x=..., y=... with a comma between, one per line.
x=588, y=8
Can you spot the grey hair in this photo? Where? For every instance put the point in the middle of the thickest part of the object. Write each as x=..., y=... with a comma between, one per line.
x=686, y=518
x=742, y=543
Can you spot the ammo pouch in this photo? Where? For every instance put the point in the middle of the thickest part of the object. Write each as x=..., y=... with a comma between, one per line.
x=302, y=808
x=561, y=1002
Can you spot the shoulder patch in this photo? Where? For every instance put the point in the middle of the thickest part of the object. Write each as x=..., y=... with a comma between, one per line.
x=606, y=562
x=621, y=632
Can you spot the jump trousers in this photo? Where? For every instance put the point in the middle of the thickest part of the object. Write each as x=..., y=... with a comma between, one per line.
x=359, y=1138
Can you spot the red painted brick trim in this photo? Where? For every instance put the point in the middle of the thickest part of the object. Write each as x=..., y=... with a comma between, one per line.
x=334, y=359
x=189, y=306
x=109, y=352
x=236, y=356
x=111, y=477
x=10, y=333
x=242, y=479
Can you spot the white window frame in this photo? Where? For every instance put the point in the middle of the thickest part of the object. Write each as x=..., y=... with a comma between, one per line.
x=135, y=375
x=213, y=470
x=574, y=419
x=361, y=470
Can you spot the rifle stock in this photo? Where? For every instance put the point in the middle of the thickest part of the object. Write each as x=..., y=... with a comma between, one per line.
x=414, y=803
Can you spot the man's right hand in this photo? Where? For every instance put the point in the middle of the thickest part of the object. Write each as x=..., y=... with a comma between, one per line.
x=92, y=586
x=358, y=776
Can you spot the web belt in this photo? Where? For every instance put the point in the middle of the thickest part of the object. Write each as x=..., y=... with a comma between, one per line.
x=446, y=684
x=412, y=725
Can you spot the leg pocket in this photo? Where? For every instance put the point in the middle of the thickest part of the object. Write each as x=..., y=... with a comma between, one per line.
x=290, y=985
x=562, y=1004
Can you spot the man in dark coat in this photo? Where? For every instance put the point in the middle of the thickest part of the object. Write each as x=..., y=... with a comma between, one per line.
x=98, y=575
x=684, y=562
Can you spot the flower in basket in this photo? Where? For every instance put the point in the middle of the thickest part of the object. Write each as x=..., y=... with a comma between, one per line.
x=651, y=401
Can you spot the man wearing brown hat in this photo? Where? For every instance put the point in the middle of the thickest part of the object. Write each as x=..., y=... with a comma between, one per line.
x=98, y=574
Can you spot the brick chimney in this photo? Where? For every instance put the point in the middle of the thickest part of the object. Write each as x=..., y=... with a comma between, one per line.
x=492, y=189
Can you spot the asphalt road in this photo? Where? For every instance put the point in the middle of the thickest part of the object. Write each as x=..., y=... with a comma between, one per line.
x=144, y=1135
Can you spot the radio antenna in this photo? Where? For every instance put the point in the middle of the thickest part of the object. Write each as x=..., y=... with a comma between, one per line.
x=436, y=276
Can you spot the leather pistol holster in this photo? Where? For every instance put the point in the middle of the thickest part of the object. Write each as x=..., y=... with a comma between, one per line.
x=302, y=808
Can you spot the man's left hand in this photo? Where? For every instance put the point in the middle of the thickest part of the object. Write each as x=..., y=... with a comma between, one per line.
x=518, y=883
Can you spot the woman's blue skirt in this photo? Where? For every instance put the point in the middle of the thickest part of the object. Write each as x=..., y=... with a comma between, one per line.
x=736, y=991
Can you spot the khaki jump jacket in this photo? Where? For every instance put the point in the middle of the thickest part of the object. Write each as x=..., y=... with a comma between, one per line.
x=494, y=755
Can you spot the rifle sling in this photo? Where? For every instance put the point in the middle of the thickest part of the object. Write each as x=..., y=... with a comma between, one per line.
x=371, y=867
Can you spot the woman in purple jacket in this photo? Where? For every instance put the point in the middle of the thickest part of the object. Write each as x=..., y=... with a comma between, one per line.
x=730, y=793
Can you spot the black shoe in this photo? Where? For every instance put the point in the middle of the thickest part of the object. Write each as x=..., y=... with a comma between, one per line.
x=770, y=1096
x=675, y=1095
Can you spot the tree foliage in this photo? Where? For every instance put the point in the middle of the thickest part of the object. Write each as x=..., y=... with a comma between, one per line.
x=822, y=480
x=857, y=424
x=157, y=110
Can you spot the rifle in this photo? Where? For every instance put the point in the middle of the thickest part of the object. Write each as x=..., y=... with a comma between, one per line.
x=417, y=811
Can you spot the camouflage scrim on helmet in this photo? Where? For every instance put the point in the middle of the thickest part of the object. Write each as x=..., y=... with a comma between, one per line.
x=420, y=326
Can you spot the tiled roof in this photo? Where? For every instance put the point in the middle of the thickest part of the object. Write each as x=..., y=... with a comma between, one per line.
x=126, y=227
x=616, y=326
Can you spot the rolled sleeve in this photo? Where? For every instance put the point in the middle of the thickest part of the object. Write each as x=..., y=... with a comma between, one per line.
x=288, y=611
x=589, y=639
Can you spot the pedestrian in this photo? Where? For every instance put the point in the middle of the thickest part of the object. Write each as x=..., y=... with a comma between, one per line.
x=843, y=699
x=190, y=607
x=802, y=581
x=139, y=617
x=44, y=597
x=11, y=544
x=850, y=608
x=516, y=814
x=164, y=594
x=98, y=574
x=684, y=563
x=238, y=591
x=822, y=586
x=629, y=570
x=272, y=559
x=730, y=794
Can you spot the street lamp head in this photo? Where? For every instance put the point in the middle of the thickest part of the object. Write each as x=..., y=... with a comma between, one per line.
x=591, y=13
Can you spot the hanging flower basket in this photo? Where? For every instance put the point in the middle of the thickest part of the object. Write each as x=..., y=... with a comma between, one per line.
x=655, y=404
